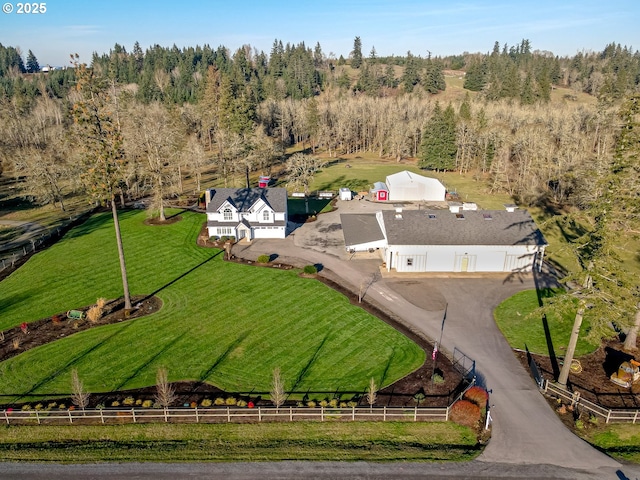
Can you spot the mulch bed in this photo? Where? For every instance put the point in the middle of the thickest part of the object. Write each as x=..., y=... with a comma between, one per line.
x=593, y=381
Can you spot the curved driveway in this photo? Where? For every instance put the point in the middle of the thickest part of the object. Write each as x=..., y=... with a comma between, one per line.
x=525, y=429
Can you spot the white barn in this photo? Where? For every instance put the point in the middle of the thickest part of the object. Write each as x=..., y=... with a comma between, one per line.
x=445, y=241
x=408, y=186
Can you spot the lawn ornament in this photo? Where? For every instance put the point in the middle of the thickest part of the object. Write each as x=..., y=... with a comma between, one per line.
x=628, y=373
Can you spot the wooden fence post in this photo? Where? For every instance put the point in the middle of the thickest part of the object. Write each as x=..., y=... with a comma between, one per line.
x=197, y=418
x=290, y=413
x=608, y=416
x=101, y=416
x=353, y=413
x=635, y=417
x=70, y=417
x=6, y=417
x=259, y=414
x=133, y=415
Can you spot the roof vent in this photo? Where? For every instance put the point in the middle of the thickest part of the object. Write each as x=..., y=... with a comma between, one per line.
x=510, y=207
x=487, y=216
x=454, y=207
x=398, y=215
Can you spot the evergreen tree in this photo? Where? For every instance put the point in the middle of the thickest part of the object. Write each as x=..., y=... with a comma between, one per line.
x=527, y=96
x=438, y=146
x=356, y=54
x=433, y=80
x=411, y=74
x=475, y=78
x=32, y=63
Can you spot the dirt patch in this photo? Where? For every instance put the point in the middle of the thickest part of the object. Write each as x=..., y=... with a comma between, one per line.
x=593, y=381
x=167, y=221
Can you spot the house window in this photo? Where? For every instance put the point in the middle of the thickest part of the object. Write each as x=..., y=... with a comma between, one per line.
x=409, y=262
x=227, y=214
x=266, y=216
x=225, y=231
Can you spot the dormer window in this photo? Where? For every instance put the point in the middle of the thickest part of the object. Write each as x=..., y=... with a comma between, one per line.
x=266, y=215
x=227, y=214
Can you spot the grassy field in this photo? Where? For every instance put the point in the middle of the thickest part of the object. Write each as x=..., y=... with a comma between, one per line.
x=522, y=331
x=376, y=442
x=224, y=323
x=621, y=441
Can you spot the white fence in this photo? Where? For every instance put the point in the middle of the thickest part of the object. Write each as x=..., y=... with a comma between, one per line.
x=225, y=415
x=574, y=398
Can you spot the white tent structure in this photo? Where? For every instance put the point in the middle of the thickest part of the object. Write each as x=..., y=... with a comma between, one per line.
x=408, y=186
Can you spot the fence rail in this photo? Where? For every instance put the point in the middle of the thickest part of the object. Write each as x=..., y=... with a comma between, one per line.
x=225, y=415
x=574, y=398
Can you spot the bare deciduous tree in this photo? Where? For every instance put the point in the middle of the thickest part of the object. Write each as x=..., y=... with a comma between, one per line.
x=165, y=393
x=277, y=393
x=302, y=168
x=79, y=396
x=372, y=392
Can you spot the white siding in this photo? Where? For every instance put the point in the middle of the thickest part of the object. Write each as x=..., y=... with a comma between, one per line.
x=455, y=258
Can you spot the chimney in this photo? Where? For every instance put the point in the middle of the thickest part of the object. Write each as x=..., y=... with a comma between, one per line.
x=207, y=197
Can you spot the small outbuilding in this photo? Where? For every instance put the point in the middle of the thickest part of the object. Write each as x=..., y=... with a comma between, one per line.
x=380, y=192
x=346, y=194
x=409, y=186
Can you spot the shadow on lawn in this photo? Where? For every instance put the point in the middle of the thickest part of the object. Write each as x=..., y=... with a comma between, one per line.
x=70, y=363
x=193, y=269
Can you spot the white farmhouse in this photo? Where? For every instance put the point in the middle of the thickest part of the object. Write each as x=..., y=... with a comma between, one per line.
x=247, y=212
x=446, y=241
x=408, y=186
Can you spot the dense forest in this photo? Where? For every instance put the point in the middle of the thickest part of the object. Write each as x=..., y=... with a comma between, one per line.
x=169, y=111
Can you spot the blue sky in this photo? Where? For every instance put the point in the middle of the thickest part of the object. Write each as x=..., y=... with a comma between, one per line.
x=444, y=27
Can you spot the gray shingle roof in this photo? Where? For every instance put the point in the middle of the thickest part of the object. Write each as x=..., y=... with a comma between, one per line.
x=442, y=227
x=359, y=228
x=244, y=198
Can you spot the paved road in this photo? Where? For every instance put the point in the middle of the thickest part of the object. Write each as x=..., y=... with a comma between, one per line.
x=300, y=470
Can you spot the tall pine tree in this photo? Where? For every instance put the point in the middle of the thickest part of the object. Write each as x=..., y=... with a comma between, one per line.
x=438, y=146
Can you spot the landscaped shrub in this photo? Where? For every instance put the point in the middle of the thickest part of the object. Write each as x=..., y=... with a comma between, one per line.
x=219, y=401
x=437, y=379
x=129, y=401
x=264, y=259
x=465, y=413
x=95, y=312
x=477, y=395
x=324, y=403
x=230, y=401
x=310, y=269
x=241, y=403
x=206, y=402
x=311, y=404
x=147, y=404
x=115, y=403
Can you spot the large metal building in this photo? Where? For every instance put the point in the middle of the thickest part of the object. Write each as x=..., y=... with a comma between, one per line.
x=408, y=186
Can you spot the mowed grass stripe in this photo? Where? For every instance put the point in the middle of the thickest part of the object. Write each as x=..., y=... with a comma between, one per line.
x=224, y=323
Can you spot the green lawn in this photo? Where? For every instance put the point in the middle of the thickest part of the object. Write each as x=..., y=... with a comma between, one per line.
x=522, y=330
x=224, y=323
x=337, y=441
x=621, y=441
